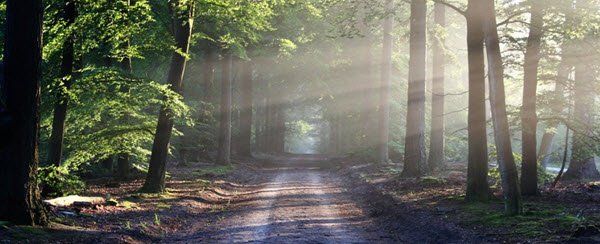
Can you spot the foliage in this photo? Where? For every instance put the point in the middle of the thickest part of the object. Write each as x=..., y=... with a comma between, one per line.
x=59, y=181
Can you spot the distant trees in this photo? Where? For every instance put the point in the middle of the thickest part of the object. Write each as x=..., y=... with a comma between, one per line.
x=183, y=14
x=245, y=145
x=415, y=157
x=382, y=155
x=20, y=201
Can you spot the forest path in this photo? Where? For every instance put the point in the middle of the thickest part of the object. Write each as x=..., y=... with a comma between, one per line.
x=298, y=204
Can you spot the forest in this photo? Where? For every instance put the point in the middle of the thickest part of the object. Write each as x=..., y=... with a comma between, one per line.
x=299, y=121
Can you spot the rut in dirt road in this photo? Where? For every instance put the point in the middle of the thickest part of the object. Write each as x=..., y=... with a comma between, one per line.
x=298, y=206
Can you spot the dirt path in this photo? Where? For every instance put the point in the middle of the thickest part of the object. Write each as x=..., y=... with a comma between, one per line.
x=298, y=205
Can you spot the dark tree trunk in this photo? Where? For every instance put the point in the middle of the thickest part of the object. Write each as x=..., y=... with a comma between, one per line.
x=20, y=201
x=583, y=164
x=123, y=164
x=438, y=125
x=62, y=99
x=382, y=155
x=280, y=142
x=477, y=179
x=224, y=150
x=414, y=146
x=528, y=111
x=506, y=162
x=245, y=145
x=182, y=25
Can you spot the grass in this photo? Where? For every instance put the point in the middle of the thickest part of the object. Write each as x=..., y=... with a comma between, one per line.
x=163, y=206
x=539, y=220
x=26, y=232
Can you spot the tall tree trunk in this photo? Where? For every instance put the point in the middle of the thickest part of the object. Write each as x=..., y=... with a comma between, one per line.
x=583, y=164
x=382, y=155
x=437, y=143
x=182, y=25
x=123, y=157
x=477, y=172
x=414, y=147
x=548, y=138
x=506, y=162
x=62, y=99
x=20, y=201
x=528, y=111
x=245, y=146
x=224, y=150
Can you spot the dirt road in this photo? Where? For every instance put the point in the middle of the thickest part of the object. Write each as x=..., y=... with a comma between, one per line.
x=297, y=205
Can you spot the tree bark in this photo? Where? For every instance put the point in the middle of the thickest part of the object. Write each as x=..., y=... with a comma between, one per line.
x=506, y=163
x=477, y=171
x=62, y=98
x=382, y=155
x=20, y=201
x=123, y=164
x=583, y=164
x=245, y=147
x=415, y=157
x=182, y=25
x=224, y=150
x=437, y=142
x=528, y=110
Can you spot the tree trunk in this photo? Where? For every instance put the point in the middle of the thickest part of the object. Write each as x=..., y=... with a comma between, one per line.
x=528, y=111
x=123, y=164
x=245, y=145
x=224, y=150
x=477, y=172
x=583, y=165
x=414, y=147
x=437, y=143
x=155, y=180
x=382, y=155
x=62, y=99
x=20, y=201
x=548, y=138
x=506, y=162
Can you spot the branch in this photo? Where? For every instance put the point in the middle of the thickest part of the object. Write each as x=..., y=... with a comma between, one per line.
x=507, y=20
x=455, y=8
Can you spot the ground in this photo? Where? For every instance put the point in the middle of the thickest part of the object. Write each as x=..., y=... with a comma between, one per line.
x=312, y=199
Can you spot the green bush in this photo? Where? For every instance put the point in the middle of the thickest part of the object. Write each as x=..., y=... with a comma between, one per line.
x=58, y=181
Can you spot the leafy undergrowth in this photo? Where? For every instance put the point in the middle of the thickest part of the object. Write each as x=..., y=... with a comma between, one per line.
x=568, y=213
x=198, y=190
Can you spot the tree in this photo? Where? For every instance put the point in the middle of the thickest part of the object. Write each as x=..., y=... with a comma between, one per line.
x=183, y=14
x=62, y=98
x=477, y=171
x=224, y=149
x=438, y=125
x=414, y=147
x=245, y=147
x=20, y=200
x=123, y=157
x=583, y=164
x=528, y=110
x=506, y=162
x=385, y=85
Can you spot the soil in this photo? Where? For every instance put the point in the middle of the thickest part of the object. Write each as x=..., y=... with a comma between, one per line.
x=288, y=199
